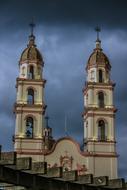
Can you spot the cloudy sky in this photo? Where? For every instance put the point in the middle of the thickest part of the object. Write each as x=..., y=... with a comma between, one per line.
x=65, y=35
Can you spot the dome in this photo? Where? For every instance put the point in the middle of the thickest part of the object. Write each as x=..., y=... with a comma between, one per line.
x=31, y=53
x=98, y=57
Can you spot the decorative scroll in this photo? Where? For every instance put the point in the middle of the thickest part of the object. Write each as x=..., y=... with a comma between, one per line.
x=66, y=162
x=81, y=169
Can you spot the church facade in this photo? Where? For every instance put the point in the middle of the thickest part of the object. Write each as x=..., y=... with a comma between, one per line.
x=33, y=139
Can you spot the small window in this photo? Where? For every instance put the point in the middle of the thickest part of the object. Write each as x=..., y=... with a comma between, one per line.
x=101, y=130
x=101, y=99
x=30, y=96
x=100, y=76
x=29, y=127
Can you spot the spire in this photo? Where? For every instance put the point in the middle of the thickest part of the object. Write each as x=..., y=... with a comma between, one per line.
x=98, y=41
x=32, y=25
x=47, y=119
x=65, y=128
x=31, y=37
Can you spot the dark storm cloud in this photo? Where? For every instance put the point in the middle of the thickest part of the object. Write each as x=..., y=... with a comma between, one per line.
x=65, y=37
x=110, y=13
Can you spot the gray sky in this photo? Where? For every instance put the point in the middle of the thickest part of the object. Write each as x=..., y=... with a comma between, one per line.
x=65, y=36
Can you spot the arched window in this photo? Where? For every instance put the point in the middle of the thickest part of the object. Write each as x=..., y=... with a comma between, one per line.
x=29, y=127
x=31, y=72
x=100, y=76
x=101, y=99
x=101, y=130
x=30, y=96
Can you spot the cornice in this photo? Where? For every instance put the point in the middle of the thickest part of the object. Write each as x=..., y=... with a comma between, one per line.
x=93, y=85
x=114, y=110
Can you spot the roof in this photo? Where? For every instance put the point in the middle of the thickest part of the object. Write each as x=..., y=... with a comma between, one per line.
x=98, y=58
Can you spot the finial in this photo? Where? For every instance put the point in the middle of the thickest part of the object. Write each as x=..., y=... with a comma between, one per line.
x=32, y=25
x=32, y=37
x=65, y=128
x=98, y=41
x=97, y=29
x=47, y=119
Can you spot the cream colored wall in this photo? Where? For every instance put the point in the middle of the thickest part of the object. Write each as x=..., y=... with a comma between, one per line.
x=103, y=166
x=92, y=75
x=22, y=92
x=102, y=147
x=23, y=73
x=106, y=76
x=32, y=110
x=21, y=124
x=92, y=93
x=29, y=145
x=92, y=129
x=60, y=150
x=98, y=166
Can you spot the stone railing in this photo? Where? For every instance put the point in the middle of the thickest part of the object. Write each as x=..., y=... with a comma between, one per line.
x=22, y=173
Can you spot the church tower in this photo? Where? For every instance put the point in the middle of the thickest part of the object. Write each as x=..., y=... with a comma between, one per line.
x=99, y=115
x=30, y=107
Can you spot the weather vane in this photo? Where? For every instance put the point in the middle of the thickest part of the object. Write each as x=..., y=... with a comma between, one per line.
x=97, y=29
x=32, y=25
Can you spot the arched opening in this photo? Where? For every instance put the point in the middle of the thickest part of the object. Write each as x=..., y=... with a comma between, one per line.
x=31, y=72
x=30, y=96
x=101, y=99
x=100, y=76
x=101, y=131
x=29, y=127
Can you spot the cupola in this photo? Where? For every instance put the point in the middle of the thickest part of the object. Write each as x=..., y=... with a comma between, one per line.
x=31, y=53
x=98, y=58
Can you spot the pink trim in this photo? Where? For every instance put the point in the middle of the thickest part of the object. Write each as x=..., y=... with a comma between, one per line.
x=83, y=153
x=100, y=142
x=86, y=115
x=26, y=140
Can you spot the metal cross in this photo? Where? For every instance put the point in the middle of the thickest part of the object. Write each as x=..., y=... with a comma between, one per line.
x=32, y=25
x=97, y=29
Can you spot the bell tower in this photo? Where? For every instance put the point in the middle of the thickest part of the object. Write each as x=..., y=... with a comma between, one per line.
x=99, y=115
x=29, y=107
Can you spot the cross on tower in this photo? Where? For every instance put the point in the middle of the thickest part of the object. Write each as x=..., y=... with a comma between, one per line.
x=32, y=25
x=47, y=119
x=97, y=29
